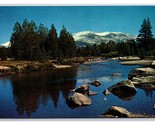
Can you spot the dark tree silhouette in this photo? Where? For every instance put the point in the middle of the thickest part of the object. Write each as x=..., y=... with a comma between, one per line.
x=145, y=34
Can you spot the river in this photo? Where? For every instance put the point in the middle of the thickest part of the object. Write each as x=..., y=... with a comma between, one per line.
x=43, y=94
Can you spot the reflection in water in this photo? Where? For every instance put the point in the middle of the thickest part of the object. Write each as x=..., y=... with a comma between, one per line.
x=30, y=90
x=148, y=93
x=124, y=94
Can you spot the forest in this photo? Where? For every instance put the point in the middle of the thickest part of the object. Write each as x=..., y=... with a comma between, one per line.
x=32, y=42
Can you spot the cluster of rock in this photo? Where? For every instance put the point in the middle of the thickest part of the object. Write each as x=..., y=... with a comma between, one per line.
x=126, y=58
x=140, y=77
x=129, y=58
x=80, y=96
x=125, y=90
x=143, y=77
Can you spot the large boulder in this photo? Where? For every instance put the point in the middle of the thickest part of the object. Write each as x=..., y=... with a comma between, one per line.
x=119, y=112
x=116, y=111
x=141, y=72
x=78, y=99
x=124, y=90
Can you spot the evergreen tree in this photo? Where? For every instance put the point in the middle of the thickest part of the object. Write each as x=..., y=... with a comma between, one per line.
x=67, y=46
x=53, y=42
x=16, y=41
x=24, y=42
x=145, y=34
x=31, y=45
x=42, y=39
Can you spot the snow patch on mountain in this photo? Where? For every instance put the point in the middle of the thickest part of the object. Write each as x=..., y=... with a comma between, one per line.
x=89, y=38
x=7, y=44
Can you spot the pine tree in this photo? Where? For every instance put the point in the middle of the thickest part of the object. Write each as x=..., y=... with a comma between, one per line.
x=24, y=42
x=31, y=45
x=16, y=41
x=67, y=45
x=145, y=34
x=42, y=40
x=53, y=42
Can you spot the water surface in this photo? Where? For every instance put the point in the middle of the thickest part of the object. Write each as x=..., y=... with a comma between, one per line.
x=43, y=94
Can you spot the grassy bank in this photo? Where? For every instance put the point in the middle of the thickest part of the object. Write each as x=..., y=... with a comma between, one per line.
x=11, y=67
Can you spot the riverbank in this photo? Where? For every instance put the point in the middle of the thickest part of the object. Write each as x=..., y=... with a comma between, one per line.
x=139, y=62
x=11, y=67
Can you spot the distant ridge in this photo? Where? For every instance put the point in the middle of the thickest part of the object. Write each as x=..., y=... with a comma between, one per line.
x=89, y=38
x=7, y=44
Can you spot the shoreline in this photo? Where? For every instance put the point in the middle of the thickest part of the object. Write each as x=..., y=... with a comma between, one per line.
x=14, y=67
x=139, y=62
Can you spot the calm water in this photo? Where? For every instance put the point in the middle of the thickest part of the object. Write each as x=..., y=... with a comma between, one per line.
x=43, y=94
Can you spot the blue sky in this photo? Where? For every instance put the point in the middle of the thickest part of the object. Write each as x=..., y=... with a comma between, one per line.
x=127, y=19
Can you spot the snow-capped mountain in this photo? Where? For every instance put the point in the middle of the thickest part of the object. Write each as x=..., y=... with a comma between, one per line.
x=7, y=44
x=89, y=38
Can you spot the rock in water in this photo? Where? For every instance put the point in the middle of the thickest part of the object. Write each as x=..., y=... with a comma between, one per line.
x=141, y=72
x=96, y=83
x=84, y=89
x=119, y=112
x=116, y=74
x=92, y=93
x=116, y=111
x=144, y=82
x=124, y=90
x=143, y=78
x=78, y=99
x=106, y=92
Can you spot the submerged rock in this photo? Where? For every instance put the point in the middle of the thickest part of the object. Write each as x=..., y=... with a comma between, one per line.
x=124, y=90
x=78, y=99
x=92, y=93
x=96, y=83
x=116, y=74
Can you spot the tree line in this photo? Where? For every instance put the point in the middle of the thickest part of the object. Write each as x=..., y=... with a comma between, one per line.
x=144, y=45
x=109, y=49
x=31, y=42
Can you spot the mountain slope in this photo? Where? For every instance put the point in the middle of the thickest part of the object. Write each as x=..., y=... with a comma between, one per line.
x=7, y=44
x=89, y=38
